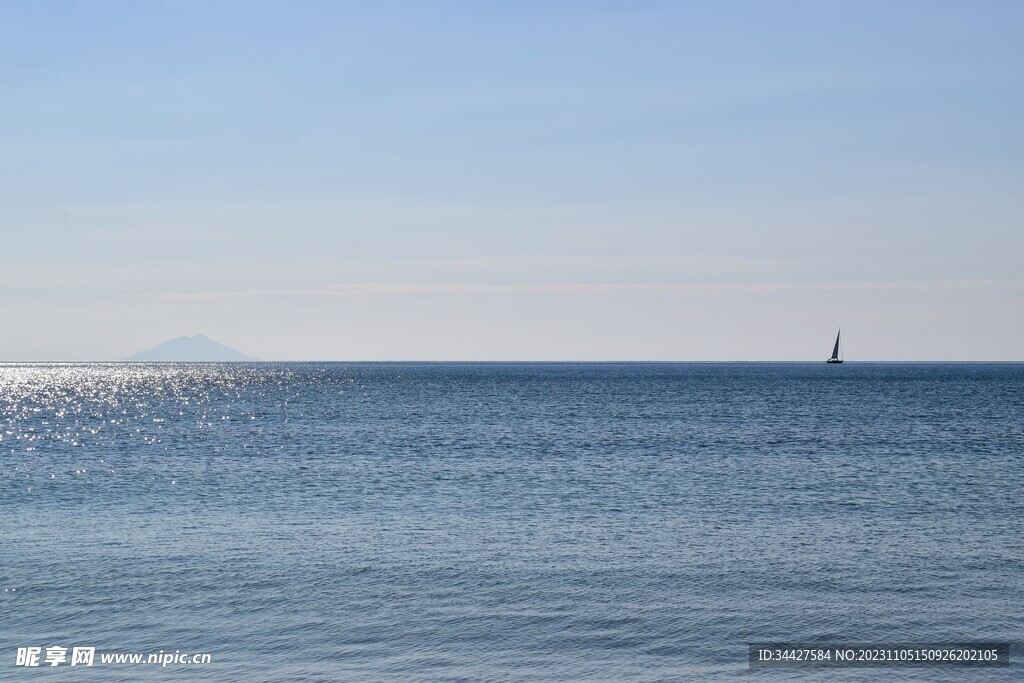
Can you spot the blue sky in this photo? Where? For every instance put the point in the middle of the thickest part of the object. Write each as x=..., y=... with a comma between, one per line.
x=386, y=181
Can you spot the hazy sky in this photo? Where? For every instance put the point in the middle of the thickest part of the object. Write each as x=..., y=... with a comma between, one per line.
x=513, y=180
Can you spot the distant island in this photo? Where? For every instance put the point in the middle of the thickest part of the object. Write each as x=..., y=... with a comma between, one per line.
x=197, y=348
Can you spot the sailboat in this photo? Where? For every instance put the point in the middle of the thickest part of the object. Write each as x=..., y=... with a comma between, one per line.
x=835, y=351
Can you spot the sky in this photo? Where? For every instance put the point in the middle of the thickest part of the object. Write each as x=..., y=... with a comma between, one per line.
x=513, y=181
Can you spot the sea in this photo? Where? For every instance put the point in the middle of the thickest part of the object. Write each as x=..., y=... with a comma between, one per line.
x=504, y=521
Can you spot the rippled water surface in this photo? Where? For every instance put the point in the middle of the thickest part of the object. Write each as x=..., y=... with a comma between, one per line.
x=492, y=522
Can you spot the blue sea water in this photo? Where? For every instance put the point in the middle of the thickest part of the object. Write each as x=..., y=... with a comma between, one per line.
x=506, y=522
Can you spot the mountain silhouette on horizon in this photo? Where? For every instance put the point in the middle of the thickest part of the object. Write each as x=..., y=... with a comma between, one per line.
x=196, y=348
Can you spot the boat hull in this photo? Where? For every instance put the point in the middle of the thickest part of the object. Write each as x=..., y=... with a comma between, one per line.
x=833, y=360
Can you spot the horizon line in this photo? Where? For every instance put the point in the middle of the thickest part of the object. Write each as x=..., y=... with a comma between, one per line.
x=498, y=361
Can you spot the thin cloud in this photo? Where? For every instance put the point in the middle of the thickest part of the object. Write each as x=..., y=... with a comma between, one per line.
x=447, y=288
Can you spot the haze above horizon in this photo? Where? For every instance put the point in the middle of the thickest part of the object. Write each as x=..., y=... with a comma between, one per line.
x=529, y=181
